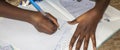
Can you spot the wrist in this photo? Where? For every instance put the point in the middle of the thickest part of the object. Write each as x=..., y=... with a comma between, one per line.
x=25, y=16
x=101, y=5
x=35, y=17
x=98, y=10
x=95, y=14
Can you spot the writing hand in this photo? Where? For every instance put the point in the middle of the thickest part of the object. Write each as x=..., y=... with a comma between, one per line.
x=47, y=24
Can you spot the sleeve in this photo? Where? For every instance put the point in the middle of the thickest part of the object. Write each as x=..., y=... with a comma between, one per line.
x=14, y=2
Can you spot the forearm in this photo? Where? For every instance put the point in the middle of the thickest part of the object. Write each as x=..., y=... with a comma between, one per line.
x=99, y=9
x=101, y=5
x=9, y=11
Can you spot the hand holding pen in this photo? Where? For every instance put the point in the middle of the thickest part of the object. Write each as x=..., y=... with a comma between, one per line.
x=47, y=22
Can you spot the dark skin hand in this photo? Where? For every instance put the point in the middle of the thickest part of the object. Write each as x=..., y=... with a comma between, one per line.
x=87, y=24
x=85, y=29
x=47, y=24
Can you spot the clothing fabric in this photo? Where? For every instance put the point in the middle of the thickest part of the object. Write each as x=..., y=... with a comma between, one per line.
x=14, y=2
x=20, y=2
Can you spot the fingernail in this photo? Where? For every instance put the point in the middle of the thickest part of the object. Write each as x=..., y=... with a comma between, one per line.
x=70, y=48
x=95, y=48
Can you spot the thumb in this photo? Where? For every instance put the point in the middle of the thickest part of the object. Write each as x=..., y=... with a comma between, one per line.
x=73, y=22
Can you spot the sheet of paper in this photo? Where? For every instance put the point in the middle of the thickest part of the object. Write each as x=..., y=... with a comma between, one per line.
x=77, y=8
x=5, y=46
x=24, y=36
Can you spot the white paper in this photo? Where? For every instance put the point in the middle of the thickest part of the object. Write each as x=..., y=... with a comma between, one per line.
x=77, y=8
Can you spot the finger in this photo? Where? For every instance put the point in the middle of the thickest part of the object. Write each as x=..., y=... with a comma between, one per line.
x=93, y=38
x=45, y=28
x=74, y=37
x=86, y=42
x=79, y=42
x=81, y=38
x=73, y=22
x=53, y=19
x=49, y=30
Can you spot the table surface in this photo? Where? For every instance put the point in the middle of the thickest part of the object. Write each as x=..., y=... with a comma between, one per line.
x=114, y=42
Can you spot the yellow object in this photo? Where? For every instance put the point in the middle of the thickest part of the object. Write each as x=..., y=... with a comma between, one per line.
x=14, y=2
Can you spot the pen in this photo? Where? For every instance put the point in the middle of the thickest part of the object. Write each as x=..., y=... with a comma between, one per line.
x=37, y=7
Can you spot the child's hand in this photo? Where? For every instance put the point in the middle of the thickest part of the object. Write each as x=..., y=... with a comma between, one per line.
x=87, y=24
x=47, y=24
